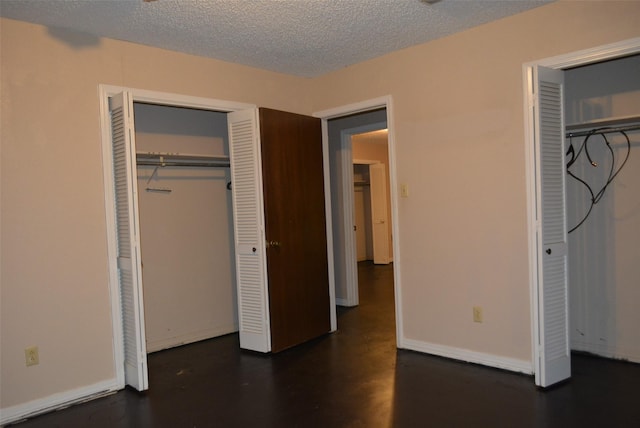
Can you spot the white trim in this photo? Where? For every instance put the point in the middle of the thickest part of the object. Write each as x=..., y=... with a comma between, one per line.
x=343, y=302
x=329, y=225
x=354, y=108
x=606, y=351
x=185, y=339
x=364, y=162
x=583, y=57
x=395, y=219
x=367, y=105
x=57, y=401
x=350, y=247
x=532, y=216
x=177, y=100
x=591, y=55
x=153, y=97
x=460, y=354
x=110, y=223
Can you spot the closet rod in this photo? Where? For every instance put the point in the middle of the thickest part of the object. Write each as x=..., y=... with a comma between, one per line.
x=605, y=130
x=192, y=164
x=175, y=159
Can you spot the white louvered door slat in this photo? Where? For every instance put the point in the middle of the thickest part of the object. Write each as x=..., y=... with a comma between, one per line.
x=128, y=245
x=555, y=358
x=248, y=211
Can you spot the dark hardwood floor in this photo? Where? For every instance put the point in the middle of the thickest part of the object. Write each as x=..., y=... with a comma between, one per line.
x=355, y=378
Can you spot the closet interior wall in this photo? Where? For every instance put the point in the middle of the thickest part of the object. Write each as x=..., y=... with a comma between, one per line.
x=186, y=228
x=604, y=260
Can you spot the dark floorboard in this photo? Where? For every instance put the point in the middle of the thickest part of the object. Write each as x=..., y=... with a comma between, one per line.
x=355, y=378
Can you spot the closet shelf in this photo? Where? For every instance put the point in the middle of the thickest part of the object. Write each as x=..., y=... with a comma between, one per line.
x=625, y=124
x=179, y=159
x=612, y=121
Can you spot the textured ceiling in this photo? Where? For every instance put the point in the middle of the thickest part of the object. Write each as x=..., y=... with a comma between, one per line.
x=299, y=37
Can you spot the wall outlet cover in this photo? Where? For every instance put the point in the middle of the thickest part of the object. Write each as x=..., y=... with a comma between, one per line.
x=31, y=356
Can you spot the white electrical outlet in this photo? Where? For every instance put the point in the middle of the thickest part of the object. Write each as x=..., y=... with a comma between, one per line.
x=31, y=356
x=477, y=314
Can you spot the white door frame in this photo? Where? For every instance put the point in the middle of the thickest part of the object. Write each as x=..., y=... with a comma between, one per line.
x=346, y=110
x=583, y=57
x=151, y=97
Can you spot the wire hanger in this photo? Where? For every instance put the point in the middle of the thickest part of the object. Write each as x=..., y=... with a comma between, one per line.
x=153, y=174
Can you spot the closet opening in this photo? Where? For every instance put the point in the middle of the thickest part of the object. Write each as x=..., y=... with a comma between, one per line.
x=582, y=129
x=168, y=219
x=186, y=224
x=602, y=117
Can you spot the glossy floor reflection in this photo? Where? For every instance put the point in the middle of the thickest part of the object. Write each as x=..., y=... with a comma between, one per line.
x=355, y=378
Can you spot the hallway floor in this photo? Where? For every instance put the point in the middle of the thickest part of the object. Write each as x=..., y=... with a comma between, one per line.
x=355, y=378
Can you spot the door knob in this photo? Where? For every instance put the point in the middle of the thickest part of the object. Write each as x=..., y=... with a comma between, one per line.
x=548, y=251
x=274, y=244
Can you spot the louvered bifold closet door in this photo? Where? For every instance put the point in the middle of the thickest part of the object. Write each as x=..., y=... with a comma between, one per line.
x=552, y=237
x=248, y=212
x=128, y=241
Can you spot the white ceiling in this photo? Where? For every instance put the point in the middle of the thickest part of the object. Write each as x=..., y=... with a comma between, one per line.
x=299, y=37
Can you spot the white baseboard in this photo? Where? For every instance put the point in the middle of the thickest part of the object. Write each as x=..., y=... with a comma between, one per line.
x=171, y=342
x=341, y=302
x=511, y=364
x=58, y=401
x=605, y=351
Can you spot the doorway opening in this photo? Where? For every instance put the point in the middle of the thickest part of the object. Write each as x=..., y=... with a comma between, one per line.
x=350, y=135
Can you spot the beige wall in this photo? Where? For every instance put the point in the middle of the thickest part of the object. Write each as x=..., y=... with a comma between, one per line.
x=458, y=113
x=55, y=290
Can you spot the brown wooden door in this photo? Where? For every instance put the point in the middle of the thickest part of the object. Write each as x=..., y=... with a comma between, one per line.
x=295, y=227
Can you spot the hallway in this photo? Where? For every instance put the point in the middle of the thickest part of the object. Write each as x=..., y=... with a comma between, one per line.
x=355, y=378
